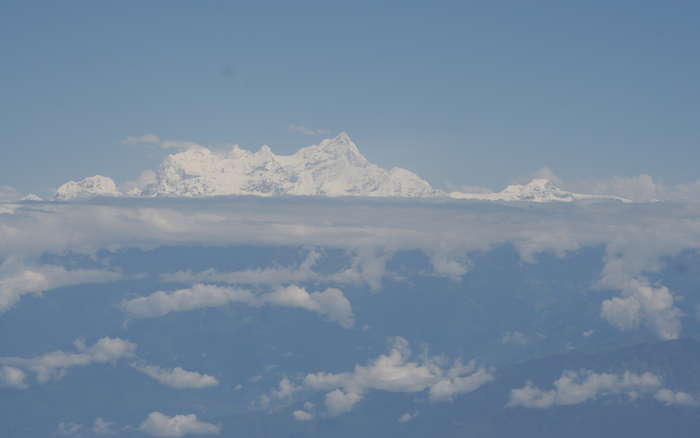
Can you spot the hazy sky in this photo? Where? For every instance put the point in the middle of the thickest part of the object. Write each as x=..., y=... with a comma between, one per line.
x=477, y=93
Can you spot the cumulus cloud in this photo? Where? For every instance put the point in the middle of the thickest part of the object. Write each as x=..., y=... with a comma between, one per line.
x=331, y=302
x=395, y=372
x=641, y=302
x=339, y=402
x=17, y=280
x=102, y=427
x=159, y=424
x=12, y=377
x=460, y=380
x=284, y=392
x=199, y=296
x=670, y=398
x=55, y=365
x=448, y=265
x=300, y=415
x=406, y=417
x=176, y=377
x=307, y=131
x=575, y=387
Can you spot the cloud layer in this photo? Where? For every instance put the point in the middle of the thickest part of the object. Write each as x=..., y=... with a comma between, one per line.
x=636, y=238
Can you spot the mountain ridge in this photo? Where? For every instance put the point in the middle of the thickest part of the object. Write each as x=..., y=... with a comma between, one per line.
x=334, y=167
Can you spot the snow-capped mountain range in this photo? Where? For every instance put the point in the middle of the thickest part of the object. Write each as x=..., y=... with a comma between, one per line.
x=334, y=167
x=537, y=190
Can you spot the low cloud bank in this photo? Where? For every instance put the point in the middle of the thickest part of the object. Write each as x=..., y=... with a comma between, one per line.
x=576, y=387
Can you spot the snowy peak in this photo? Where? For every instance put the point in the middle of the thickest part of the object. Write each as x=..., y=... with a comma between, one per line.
x=334, y=167
x=92, y=186
x=338, y=149
x=537, y=190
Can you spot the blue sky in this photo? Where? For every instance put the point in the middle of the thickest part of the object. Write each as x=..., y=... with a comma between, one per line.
x=476, y=93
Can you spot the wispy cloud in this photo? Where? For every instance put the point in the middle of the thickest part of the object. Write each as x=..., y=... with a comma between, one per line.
x=162, y=143
x=17, y=280
x=55, y=365
x=307, y=131
x=159, y=424
x=177, y=377
x=331, y=302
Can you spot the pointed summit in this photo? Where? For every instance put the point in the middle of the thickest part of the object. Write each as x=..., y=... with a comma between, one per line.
x=340, y=148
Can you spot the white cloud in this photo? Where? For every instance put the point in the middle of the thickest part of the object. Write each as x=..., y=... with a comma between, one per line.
x=198, y=296
x=640, y=188
x=330, y=303
x=641, y=302
x=406, y=417
x=177, y=144
x=307, y=131
x=636, y=238
x=456, y=382
x=284, y=392
x=395, y=372
x=177, y=377
x=575, y=387
x=136, y=186
x=158, y=424
x=156, y=140
x=147, y=138
x=8, y=193
x=69, y=429
x=12, y=377
x=17, y=280
x=449, y=265
x=515, y=338
x=367, y=268
x=264, y=276
x=55, y=365
x=339, y=402
x=548, y=174
x=300, y=415
x=669, y=398
x=101, y=427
